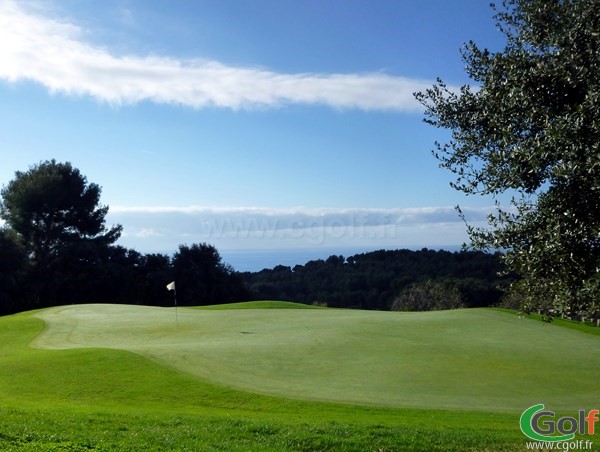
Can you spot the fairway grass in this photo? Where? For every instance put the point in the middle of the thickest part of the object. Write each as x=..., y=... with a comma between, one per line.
x=264, y=304
x=477, y=359
x=133, y=390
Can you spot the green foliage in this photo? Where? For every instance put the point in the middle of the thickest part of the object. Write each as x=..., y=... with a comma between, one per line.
x=202, y=278
x=373, y=280
x=51, y=206
x=428, y=296
x=54, y=215
x=55, y=249
x=13, y=260
x=530, y=127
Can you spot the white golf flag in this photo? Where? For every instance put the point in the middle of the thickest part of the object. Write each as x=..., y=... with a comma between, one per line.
x=171, y=286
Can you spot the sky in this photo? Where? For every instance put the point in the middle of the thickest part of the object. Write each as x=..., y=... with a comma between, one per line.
x=258, y=125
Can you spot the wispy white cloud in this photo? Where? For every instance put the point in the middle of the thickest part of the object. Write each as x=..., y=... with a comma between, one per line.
x=55, y=54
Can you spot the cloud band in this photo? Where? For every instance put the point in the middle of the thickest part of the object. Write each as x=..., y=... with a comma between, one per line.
x=292, y=228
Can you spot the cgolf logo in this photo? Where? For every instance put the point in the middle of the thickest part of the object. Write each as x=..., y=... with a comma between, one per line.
x=541, y=425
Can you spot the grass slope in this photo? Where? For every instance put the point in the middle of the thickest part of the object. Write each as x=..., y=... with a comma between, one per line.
x=103, y=399
x=474, y=359
x=263, y=304
x=113, y=399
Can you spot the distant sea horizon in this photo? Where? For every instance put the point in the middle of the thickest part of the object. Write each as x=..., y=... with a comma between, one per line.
x=254, y=260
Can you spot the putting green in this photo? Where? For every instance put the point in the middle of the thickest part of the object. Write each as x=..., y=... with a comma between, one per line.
x=475, y=359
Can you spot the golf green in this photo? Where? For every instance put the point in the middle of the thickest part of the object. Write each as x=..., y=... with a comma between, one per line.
x=477, y=359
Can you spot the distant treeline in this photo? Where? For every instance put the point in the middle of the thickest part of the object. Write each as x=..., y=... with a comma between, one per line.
x=383, y=280
x=56, y=249
x=402, y=279
x=95, y=273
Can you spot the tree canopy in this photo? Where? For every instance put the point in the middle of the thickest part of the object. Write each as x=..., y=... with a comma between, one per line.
x=374, y=280
x=51, y=206
x=55, y=248
x=529, y=127
x=202, y=277
x=54, y=215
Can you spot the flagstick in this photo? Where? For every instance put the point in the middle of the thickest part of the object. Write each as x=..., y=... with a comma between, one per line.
x=171, y=286
x=176, y=317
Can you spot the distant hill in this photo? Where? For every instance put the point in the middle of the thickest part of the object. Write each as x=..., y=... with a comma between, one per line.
x=374, y=280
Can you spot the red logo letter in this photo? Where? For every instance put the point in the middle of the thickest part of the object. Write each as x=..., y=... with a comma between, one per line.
x=591, y=420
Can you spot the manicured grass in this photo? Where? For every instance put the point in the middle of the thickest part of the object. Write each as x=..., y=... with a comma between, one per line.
x=117, y=399
x=566, y=323
x=477, y=359
x=263, y=304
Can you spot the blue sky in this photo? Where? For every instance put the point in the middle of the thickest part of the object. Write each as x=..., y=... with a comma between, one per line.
x=264, y=124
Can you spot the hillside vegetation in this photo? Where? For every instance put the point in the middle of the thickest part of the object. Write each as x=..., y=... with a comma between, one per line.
x=374, y=280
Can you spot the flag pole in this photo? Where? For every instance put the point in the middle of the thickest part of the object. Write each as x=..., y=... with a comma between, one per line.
x=171, y=286
x=175, y=295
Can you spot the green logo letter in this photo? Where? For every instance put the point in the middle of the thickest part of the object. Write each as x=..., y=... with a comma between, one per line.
x=533, y=431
